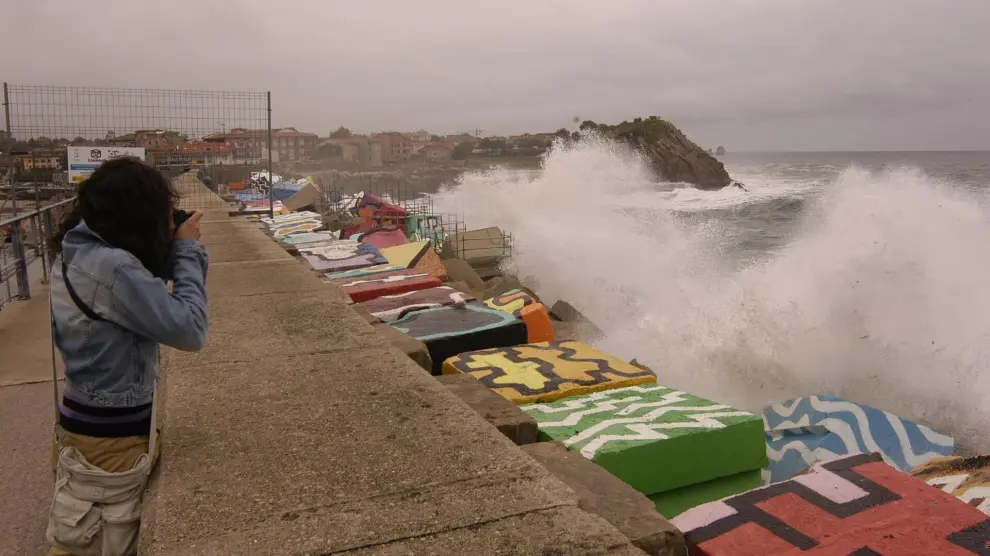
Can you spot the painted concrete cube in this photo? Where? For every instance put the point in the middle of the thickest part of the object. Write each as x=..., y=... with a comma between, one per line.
x=371, y=287
x=547, y=371
x=310, y=238
x=526, y=307
x=342, y=256
x=388, y=308
x=673, y=503
x=431, y=264
x=406, y=255
x=853, y=506
x=804, y=431
x=283, y=226
x=968, y=479
x=385, y=237
x=366, y=271
x=655, y=438
x=449, y=331
x=511, y=302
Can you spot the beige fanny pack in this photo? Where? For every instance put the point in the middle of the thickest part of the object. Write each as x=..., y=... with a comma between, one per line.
x=95, y=512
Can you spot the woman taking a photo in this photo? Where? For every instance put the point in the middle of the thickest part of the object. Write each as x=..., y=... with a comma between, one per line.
x=111, y=309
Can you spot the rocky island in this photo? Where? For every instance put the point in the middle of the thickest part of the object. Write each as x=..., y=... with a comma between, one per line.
x=669, y=152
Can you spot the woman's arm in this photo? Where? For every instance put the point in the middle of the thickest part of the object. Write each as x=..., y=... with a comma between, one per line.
x=143, y=304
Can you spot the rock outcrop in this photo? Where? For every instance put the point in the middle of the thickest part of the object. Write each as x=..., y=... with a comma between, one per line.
x=670, y=153
x=720, y=150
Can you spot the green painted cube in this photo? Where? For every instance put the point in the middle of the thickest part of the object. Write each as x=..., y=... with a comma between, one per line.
x=672, y=503
x=653, y=437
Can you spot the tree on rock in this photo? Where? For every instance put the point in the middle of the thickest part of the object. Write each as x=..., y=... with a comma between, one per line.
x=588, y=125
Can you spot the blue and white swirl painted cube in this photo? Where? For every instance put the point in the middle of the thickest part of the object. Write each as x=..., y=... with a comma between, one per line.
x=804, y=431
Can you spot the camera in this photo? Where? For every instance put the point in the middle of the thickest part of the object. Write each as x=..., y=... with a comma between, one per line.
x=180, y=216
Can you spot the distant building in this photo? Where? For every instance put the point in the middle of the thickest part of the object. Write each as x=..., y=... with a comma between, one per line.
x=420, y=136
x=250, y=146
x=375, y=159
x=6, y=163
x=147, y=138
x=53, y=159
x=438, y=152
x=293, y=145
x=395, y=146
x=350, y=151
x=460, y=138
x=357, y=149
x=193, y=153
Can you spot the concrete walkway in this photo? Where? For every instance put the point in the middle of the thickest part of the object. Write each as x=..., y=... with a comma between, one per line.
x=299, y=430
x=27, y=411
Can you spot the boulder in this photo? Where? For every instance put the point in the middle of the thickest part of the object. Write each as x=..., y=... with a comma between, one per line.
x=458, y=270
x=602, y=494
x=582, y=331
x=564, y=311
x=671, y=155
x=305, y=199
x=500, y=285
x=570, y=324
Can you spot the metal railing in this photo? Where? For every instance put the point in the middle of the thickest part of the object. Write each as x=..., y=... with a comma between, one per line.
x=25, y=241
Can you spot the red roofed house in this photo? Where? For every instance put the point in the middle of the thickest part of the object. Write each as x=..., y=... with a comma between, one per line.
x=249, y=146
x=193, y=153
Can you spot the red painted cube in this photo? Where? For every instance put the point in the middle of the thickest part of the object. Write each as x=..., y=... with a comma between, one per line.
x=366, y=288
x=853, y=506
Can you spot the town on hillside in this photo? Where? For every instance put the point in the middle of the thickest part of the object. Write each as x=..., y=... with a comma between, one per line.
x=43, y=159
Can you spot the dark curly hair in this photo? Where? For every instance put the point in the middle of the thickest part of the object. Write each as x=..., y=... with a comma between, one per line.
x=129, y=204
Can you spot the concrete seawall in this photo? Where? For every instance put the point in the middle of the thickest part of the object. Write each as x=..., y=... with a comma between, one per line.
x=300, y=430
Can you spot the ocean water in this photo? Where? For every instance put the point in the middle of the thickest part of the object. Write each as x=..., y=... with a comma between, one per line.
x=863, y=275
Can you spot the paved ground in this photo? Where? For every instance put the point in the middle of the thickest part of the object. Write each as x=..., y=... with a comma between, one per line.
x=26, y=415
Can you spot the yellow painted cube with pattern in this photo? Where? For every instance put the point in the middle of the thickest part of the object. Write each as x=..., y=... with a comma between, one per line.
x=547, y=371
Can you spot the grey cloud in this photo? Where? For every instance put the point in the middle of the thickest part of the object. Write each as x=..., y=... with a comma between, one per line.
x=751, y=74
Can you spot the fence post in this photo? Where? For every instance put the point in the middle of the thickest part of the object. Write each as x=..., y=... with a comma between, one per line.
x=271, y=180
x=20, y=261
x=35, y=221
x=46, y=256
x=6, y=118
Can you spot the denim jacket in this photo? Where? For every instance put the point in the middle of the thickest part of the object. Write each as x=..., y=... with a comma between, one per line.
x=114, y=362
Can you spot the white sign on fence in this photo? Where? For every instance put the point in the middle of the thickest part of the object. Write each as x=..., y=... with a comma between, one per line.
x=84, y=160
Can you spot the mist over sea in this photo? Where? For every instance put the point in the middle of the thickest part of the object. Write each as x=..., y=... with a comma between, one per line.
x=865, y=275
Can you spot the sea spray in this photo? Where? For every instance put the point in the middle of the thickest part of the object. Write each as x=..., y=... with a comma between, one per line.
x=879, y=295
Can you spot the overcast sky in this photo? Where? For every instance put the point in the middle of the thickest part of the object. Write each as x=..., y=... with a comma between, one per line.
x=748, y=74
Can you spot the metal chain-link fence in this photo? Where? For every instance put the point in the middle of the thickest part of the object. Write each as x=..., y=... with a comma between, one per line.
x=56, y=136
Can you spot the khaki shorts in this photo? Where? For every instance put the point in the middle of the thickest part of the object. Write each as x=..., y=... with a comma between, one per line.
x=109, y=454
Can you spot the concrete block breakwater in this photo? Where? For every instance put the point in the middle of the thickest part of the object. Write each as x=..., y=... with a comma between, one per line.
x=302, y=429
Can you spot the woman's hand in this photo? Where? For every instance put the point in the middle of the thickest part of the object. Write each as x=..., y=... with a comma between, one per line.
x=190, y=228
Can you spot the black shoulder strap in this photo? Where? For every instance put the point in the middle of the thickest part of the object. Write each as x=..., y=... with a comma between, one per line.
x=75, y=298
